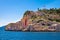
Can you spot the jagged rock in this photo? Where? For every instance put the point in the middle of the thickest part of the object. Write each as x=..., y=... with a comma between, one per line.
x=35, y=21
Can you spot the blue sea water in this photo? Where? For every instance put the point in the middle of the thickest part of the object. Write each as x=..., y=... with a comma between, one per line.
x=10, y=35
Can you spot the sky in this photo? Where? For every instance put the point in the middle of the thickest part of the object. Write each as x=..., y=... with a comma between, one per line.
x=12, y=10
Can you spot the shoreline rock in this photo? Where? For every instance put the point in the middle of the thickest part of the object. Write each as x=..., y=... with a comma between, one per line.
x=35, y=22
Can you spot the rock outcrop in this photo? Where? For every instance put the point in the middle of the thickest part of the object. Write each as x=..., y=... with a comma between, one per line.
x=35, y=21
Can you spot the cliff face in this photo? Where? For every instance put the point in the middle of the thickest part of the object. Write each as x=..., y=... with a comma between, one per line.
x=36, y=21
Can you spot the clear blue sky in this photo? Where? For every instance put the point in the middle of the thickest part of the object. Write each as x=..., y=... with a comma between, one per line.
x=13, y=10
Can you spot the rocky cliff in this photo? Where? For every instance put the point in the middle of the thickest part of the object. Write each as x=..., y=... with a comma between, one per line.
x=36, y=21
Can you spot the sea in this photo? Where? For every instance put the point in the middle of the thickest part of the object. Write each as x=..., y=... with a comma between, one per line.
x=14, y=35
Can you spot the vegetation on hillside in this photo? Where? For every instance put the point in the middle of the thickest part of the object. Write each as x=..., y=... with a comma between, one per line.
x=53, y=14
x=51, y=10
x=40, y=20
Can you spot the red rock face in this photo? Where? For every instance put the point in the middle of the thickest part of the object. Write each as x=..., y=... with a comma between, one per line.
x=24, y=21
